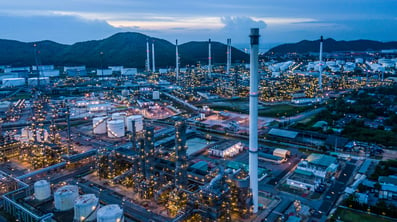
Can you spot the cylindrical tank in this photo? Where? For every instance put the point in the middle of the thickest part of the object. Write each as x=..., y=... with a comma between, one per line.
x=138, y=123
x=85, y=207
x=64, y=197
x=99, y=125
x=110, y=213
x=12, y=82
x=42, y=190
x=121, y=115
x=125, y=92
x=116, y=128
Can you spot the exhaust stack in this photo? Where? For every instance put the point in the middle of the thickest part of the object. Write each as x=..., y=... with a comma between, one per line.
x=153, y=61
x=209, y=58
x=253, y=117
x=320, y=77
x=177, y=61
x=229, y=56
x=147, y=56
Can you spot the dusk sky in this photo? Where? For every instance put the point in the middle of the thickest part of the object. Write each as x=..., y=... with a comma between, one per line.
x=281, y=21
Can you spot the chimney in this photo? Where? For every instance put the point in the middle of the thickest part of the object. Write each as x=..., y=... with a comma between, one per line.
x=147, y=56
x=253, y=117
x=177, y=62
x=209, y=59
x=320, y=76
x=229, y=56
x=153, y=60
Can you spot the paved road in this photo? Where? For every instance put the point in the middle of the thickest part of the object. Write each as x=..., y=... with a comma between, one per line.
x=337, y=188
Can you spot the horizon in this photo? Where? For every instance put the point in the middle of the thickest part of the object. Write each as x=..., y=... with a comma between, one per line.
x=264, y=47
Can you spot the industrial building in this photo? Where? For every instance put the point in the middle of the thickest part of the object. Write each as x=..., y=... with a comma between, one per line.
x=313, y=171
x=226, y=149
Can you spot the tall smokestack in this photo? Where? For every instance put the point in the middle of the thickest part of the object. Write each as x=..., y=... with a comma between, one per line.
x=177, y=61
x=320, y=77
x=153, y=62
x=253, y=117
x=147, y=56
x=229, y=56
x=209, y=59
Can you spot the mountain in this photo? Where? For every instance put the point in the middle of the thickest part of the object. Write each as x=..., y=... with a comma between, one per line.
x=127, y=49
x=331, y=45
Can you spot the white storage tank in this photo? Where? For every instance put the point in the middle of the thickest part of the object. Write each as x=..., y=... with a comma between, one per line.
x=156, y=95
x=42, y=189
x=85, y=207
x=65, y=196
x=125, y=92
x=116, y=128
x=121, y=116
x=34, y=82
x=110, y=213
x=4, y=105
x=12, y=82
x=99, y=125
x=138, y=123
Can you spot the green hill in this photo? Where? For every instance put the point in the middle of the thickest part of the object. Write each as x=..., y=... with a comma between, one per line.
x=127, y=49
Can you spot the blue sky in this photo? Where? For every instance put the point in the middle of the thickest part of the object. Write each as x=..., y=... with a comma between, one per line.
x=281, y=21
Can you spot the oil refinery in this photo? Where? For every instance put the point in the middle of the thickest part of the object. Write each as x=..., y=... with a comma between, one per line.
x=205, y=142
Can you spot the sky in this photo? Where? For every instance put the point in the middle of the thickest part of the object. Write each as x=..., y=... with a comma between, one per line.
x=280, y=21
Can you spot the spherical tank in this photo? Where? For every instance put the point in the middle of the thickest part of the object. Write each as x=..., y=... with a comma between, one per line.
x=42, y=190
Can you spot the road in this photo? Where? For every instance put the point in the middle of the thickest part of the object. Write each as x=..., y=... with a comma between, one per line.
x=337, y=188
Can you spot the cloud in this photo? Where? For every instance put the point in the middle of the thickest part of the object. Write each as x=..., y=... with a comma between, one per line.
x=238, y=27
x=63, y=29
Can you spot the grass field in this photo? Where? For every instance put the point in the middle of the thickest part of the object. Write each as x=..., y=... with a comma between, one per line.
x=241, y=106
x=283, y=110
x=347, y=215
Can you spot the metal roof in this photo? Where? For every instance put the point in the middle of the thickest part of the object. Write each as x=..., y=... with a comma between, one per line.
x=283, y=133
x=321, y=159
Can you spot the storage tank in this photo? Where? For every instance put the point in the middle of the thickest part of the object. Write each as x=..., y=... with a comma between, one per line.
x=110, y=213
x=64, y=197
x=125, y=92
x=117, y=116
x=138, y=123
x=85, y=207
x=116, y=128
x=34, y=82
x=156, y=95
x=99, y=125
x=4, y=105
x=12, y=82
x=42, y=190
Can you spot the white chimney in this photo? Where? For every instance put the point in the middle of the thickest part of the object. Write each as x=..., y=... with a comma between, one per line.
x=209, y=59
x=177, y=61
x=229, y=56
x=320, y=77
x=253, y=117
x=147, y=56
x=153, y=61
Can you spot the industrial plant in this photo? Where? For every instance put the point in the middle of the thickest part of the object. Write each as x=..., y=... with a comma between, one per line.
x=211, y=141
